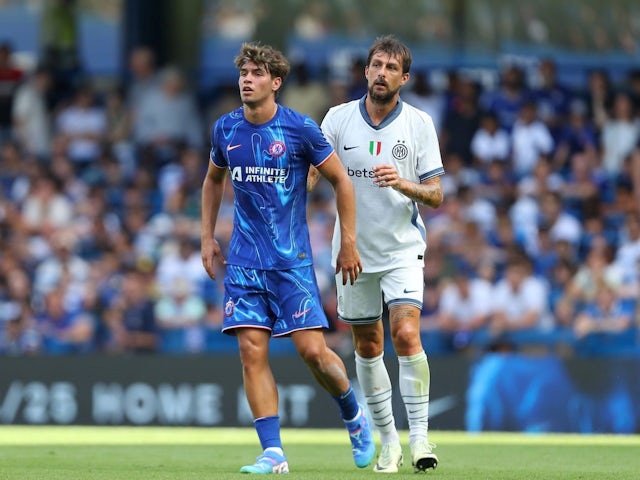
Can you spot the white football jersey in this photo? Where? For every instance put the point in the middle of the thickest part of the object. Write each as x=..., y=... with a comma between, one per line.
x=390, y=230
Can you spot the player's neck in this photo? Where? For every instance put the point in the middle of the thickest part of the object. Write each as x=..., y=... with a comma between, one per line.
x=378, y=111
x=261, y=112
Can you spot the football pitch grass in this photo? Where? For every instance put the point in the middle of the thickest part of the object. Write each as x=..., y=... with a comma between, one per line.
x=146, y=453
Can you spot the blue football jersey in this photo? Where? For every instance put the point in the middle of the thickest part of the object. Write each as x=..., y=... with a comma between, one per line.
x=268, y=165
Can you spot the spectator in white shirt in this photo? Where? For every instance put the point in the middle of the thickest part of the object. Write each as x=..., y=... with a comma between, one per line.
x=490, y=143
x=31, y=120
x=520, y=302
x=46, y=208
x=543, y=178
x=180, y=314
x=628, y=256
x=563, y=225
x=597, y=271
x=619, y=135
x=168, y=116
x=464, y=307
x=530, y=139
x=63, y=268
x=143, y=77
x=83, y=125
x=181, y=261
x=477, y=209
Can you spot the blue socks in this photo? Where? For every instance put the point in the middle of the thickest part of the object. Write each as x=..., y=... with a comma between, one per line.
x=268, y=429
x=348, y=404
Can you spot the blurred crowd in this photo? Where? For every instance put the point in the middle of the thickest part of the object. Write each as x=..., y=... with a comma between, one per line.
x=537, y=245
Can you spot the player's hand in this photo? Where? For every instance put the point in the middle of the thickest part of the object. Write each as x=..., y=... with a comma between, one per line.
x=210, y=249
x=312, y=178
x=386, y=175
x=348, y=262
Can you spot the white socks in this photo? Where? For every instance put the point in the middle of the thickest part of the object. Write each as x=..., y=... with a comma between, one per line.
x=414, y=382
x=414, y=388
x=376, y=386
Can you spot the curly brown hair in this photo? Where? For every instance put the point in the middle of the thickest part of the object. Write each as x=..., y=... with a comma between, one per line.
x=273, y=60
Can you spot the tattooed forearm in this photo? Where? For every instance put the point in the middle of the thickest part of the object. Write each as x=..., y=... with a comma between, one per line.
x=427, y=193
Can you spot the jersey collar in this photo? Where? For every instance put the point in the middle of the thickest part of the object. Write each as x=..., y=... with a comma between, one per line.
x=393, y=114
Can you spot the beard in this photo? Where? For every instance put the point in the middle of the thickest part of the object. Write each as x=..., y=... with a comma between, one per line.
x=382, y=98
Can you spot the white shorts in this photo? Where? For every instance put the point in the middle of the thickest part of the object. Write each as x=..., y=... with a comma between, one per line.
x=361, y=303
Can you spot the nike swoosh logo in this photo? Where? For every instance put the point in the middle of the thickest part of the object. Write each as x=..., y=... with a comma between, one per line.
x=410, y=291
x=300, y=314
x=349, y=148
x=233, y=147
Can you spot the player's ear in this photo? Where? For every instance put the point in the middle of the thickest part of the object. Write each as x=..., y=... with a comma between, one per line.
x=276, y=83
x=405, y=78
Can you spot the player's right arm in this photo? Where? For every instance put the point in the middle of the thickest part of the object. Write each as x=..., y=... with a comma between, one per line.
x=212, y=192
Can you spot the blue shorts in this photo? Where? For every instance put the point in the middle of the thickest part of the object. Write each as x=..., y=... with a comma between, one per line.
x=281, y=301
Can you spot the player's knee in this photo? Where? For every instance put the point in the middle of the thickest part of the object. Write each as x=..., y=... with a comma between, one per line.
x=368, y=344
x=368, y=349
x=406, y=338
x=251, y=353
x=312, y=355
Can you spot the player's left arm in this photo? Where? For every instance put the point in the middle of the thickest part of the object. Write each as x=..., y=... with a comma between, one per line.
x=312, y=178
x=428, y=163
x=348, y=260
x=428, y=192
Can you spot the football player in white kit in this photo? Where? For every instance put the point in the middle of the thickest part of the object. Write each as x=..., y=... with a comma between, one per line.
x=390, y=150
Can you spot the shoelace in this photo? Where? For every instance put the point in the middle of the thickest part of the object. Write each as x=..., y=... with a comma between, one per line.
x=266, y=459
x=432, y=446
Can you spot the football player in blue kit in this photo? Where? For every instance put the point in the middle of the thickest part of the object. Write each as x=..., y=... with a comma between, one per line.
x=270, y=285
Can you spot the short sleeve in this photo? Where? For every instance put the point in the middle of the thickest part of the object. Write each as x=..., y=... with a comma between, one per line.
x=318, y=147
x=429, y=161
x=215, y=155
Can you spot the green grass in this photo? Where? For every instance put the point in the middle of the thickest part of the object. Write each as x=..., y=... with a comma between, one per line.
x=106, y=453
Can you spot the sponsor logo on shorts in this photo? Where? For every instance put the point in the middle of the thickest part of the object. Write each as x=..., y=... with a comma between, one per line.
x=301, y=313
x=228, y=308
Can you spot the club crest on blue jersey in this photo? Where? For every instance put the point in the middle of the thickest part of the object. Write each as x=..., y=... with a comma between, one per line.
x=228, y=308
x=277, y=148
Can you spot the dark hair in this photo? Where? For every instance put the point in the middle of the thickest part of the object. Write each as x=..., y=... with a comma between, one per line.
x=266, y=56
x=391, y=46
